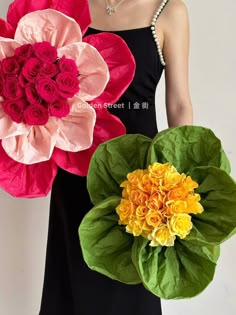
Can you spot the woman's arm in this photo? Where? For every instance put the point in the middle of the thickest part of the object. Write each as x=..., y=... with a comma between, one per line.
x=176, y=54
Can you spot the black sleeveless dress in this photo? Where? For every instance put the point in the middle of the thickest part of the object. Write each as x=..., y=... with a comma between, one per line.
x=70, y=287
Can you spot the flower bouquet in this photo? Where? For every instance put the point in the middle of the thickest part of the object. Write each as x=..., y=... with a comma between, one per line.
x=161, y=209
x=53, y=86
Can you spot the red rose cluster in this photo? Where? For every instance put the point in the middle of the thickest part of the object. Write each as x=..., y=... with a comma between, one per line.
x=35, y=84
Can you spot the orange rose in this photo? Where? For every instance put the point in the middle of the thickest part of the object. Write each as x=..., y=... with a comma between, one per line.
x=138, y=197
x=177, y=193
x=147, y=185
x=155, y=201
x=136, y=176
x=154, y=218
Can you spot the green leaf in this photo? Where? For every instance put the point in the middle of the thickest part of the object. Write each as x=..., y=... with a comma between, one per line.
x=182, y=271
x=106, y=246
x=218, y=198
x=111, y=163
x=186, y=147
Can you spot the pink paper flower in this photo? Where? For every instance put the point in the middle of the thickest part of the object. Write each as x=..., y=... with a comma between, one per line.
x=48, y=121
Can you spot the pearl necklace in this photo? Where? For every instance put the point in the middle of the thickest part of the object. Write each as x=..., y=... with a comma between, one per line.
x=153, y=29
x=110, y=9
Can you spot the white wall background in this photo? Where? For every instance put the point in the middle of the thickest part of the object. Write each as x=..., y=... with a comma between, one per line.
x=24, y=222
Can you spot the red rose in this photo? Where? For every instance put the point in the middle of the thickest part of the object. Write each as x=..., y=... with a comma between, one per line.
x=1, y=85
x=22, y=80
x=12, y=88
x=36, y=115
x=24, y=52
x=68, y=65
x=59, y=109
x=10, y=65
x=45, y=52
x=31, y=68
x=15, y=109
x=68, y=84
x=49, y=70
x=32, y=94
x=47, y=89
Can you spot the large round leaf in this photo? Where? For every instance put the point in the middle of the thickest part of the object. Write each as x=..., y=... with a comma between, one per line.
x=111, y=163
x=105, y=245
x=181, y=271
x=186, y=147
x=218, y=198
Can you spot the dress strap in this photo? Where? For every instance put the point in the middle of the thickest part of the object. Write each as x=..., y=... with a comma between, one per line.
x=153, y=29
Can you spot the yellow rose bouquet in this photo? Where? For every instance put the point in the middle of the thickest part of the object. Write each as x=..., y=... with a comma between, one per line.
x=161, y=209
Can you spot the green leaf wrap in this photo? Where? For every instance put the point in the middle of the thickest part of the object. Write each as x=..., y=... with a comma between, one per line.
x=112, y=162
x=105, y=245
x=185, y=269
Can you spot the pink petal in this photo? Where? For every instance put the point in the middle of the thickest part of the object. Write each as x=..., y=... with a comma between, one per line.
x=35, y=147
x=26, y=181
x=7, y=47
x=93, y=71
x=120, y=61
x=9, y=128
x=107, y=127
x=48, y=25
x=6, y=30
x=77, y=9
x=76, y=129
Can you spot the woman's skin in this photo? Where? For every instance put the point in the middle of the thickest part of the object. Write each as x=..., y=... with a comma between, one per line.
x=172, y=28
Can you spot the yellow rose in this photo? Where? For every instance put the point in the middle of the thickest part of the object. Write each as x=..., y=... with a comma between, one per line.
x=134, y=227
x=138, y=197
x=146, y=229
x=161, y=236
x=189, y=184
x=171, y=180
x=154, y=218
x=175, y=207
x=141, y=212
x=158, y=170
x=194, y=205
x=127, y=188
x=180, y=225
x=125, y=210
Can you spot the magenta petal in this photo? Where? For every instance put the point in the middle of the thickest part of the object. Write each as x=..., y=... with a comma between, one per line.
x=107, y=127
x=26, y=181
x=74, y=162
x=6, y=30
x=76, y=9
x=121, y=65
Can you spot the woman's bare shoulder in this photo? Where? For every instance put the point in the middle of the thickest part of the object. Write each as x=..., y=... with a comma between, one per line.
x=175, y=10
x=174, y=16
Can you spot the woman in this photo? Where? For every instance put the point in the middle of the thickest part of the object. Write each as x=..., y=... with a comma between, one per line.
x=157, y=33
